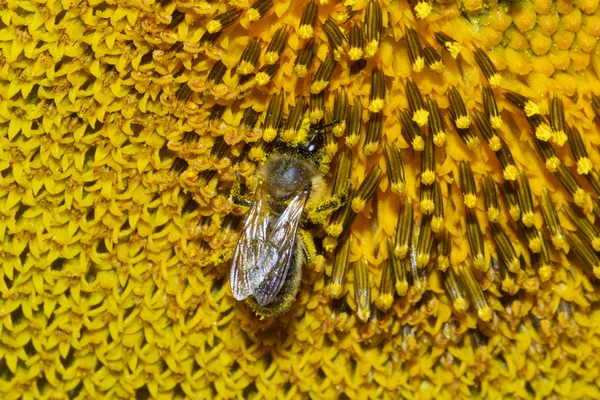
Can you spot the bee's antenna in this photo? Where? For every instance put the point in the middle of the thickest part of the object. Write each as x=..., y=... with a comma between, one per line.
x=325, y=126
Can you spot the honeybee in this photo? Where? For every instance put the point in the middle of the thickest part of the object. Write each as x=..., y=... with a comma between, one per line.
x=274, y=243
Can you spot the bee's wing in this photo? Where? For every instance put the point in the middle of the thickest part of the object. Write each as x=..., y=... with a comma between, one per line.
x=277, y=252
x=246, y=272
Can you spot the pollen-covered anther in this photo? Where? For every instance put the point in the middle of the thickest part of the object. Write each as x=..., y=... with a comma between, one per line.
x=395, y=168
x=423, y=9
x=377, y=94
x=453, y=47
x=366, y=189
x=273, y=117
x=437, y=126
x=437, y=221
x=424, y=243
x=335, y=36
x=585, y=252
x=456, y=290
x=551, y=219
x=249, y=58
x=398, y=268
x=259, y=9
x=505, y=249
x=525, y=199
x=419, y=114
x=305, y=58
x=523, y=103
x=509, y=197
x=584, y=163
x=308, y=21
x=467, y=185
x=222, y=21
x=433, y=59
x=373, y=22
x=321, y=78
x=296, y=126
x=428, y=162
x=488, y=68
x=584, y=226
x=460, y=117
x=357, y=43
x=415, y=50
x=374, y=132
x=277, y=45
x=265, y=74
x=317, y=107
x=443, y=251
x=339, y=269
x=427, y=205
x=386, y=287
x=404, y=228
x=475, y=293
x=490, y=199
x=354, y=124
x=475, y=240
x=410, y=131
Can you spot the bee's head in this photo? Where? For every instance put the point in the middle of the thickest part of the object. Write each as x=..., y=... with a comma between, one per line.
x=312, y=147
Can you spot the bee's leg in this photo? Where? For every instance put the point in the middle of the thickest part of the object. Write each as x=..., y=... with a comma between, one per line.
x=335, y=201
x=310, y=250
x=322, y=211
x=235, y=197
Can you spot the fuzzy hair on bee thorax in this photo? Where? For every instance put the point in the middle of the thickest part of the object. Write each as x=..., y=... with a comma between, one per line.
x=284, y=176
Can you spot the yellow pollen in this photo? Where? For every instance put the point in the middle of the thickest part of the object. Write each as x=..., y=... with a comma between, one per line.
x=253, y=15
x=454, y=48
x=596, y=243
x=262, y=78
x=495, y=81
x=543, y=132
x=245, y=68
x=418, y=144
x=269, y=134
x=497, y=122
x=423, y=9
x=531, y=108
x=300, y=70
x=535, y=245
x=470, y=200
x=376, y=105
x=437, y=224
x=271, y=57
x=305, y=31
x=420, y=117
x=427, y=177
x=580, y=197
x=318, y=87
x=495, y=143
x=213, y=26
x=419, y=64
x=402, y=288
x=439, y=138
x=371, y=48
x=493, y=214
x=398, y=187
x=427, y=206
x=355, y=53
x=552, y=164
x=560, y=138
x=463, y=122
x=437, y=66
x=515, y=212
x=528, y=219
x=584, y=166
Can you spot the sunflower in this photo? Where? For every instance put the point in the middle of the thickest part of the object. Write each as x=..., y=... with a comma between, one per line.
x=464, y=263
